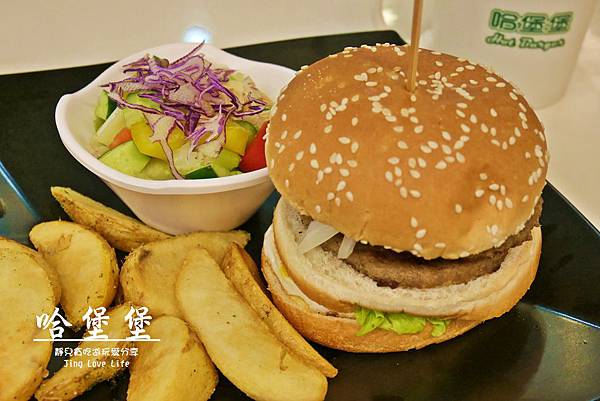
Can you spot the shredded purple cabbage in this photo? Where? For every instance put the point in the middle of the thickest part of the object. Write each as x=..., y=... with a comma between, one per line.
x=188, y=89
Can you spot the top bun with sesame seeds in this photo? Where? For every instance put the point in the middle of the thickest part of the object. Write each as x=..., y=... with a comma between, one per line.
x=451, y=170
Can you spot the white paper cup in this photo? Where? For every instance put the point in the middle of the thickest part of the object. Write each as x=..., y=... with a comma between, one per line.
x=532, y=43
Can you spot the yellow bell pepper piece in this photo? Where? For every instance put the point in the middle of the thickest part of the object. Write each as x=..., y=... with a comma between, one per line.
x=236, y=137
x=141, y=133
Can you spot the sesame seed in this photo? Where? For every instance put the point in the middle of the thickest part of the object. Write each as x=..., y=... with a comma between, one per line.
x=371, y=83
x=352, y=163
x=470, y=67
x=312, y=149
x=320, y=176
x=421, y=233
x=283, y=117
x=513, y=96
x=446, y=149
x=414, y=193
x=418, y=129
x=494, y=187
x=355, y=98
x=462, y=105
x=499, y=204
x=460, y=157
x=441, y=165
x=327, y=170
x=341, y=185
x=314, y=163
x=525, y=198
x=323, y=107
x=412, y=163
x=281, y=149
x=389, y=176
x=492, y=199
x=415, y=174
x=512, y=140
x=440, y=245
x=491, y=79
x=485, y=89
x=354, y=121
x=344, y=140
x=504, y=145
x=422, y=163
x=287, y=183
x=397, y=171
x=460, y=113
x=446, y=135
x=328, y=116
x=473, y=119
x=317, y=208
x=418, y=247
x=354, y=147
x=439, y=63
x=493, y=112
x=458, y=145
x=414, y=119
x=344, y=172
x=361, y=77
x=465, y=128
x=393, y=160
x=413, y=98
x=398, y=128
x=414, y=223
x=372, y=70
x=483, y=176
x=479, y=193
x=402, y=145
x=350, y=196
x=508, y=203
x=403, y=192
x=500, y=85
x=502, y=190
x=460, y=69
x=291, y=167
x=425, y=149
x=327, y=129
x=458, y=208
x=298, y=134
x=330, y=196
x=284, y=135
x=527, y=155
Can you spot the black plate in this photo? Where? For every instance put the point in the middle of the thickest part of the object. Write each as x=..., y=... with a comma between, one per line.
x=547, y=348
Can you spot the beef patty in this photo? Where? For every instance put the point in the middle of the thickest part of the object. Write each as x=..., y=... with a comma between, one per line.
x=393, y=269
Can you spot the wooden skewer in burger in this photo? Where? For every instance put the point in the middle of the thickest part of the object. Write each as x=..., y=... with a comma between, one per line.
x=406, y=217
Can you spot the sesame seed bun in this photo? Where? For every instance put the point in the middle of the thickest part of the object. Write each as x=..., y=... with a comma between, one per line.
x=449, y=171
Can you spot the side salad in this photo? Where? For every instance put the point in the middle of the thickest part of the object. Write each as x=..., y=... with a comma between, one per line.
x=185, y=119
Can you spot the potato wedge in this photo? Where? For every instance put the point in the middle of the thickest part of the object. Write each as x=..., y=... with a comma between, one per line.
x=121, y=231
x=25, y=292
x=72, y=380
x=148, y=274
x=8, y=245
x=238, y=270
x=85, y=262
x=176, y=368
x=238, y=342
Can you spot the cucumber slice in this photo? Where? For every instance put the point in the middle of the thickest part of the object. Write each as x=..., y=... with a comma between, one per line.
x=202, y=172
x=126, y=158
x=105, y=106
x=228, y=159
x=111, y=127
x=157, y=169
x=132, y=116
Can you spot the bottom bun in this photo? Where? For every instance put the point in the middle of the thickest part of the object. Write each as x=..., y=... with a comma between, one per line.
x=340, y=332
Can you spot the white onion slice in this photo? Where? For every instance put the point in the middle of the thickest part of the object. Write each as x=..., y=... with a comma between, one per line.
x=316, y=234
x=346, y=247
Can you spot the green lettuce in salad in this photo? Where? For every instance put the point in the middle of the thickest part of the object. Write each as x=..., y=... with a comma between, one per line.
x=400, y=323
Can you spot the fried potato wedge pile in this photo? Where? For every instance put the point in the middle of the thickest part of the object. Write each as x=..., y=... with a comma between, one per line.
x=121, y=231
x=176, y=368
x=26, y=290
x=85, y=262
x=238, y=342
x=148, y=275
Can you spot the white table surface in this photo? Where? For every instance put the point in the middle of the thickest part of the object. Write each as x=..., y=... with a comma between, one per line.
x=40, y=35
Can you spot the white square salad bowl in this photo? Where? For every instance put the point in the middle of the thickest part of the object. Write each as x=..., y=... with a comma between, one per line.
x=173, y=206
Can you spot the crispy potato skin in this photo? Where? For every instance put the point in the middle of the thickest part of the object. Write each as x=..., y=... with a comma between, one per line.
x=71, y=381
x=237, y=340
x=241, y=270
x=26, y=290
x=176, y=368
x=121, y=231
x=85, y=262
x=148, y=275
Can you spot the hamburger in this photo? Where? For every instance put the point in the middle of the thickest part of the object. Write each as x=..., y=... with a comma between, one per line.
x=405, y=219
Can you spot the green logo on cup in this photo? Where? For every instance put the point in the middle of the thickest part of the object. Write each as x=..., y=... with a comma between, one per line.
x=506, y=21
